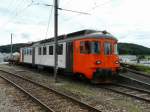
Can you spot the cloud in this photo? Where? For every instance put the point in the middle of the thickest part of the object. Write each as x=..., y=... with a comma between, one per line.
x=25, y=36
x=128, y=20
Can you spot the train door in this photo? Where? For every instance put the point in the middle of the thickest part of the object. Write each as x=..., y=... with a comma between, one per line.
x=80, y=59
x=69, y=56
x=86, y=54
x=33, y=55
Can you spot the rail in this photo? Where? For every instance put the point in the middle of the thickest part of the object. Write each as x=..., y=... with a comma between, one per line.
x=30, y=87
x=130, y=91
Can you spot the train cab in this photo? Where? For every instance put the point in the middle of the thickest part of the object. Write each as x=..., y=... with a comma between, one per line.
x=96, y=58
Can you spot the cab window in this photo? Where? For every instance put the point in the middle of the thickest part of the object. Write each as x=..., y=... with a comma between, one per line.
x=95, y=47
x=89, y=47
x=107, y=48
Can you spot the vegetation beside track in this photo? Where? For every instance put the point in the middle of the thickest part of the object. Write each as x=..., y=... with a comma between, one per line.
x=131, y=107
x=123, y=48
x=141, y=68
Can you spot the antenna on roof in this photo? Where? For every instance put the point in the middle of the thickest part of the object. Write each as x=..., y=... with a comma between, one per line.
x=105, y=32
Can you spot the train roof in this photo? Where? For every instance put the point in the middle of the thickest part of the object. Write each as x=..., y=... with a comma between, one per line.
x=80, y=34
x=87, y=33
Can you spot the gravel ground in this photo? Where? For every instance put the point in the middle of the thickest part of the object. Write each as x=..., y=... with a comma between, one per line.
x=13, y=100
x=102, y=99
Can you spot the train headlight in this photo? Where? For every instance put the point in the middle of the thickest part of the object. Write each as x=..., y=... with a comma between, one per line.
x=98, y=62
x=117, y=62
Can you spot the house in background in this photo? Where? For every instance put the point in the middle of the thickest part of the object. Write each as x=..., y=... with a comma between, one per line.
x=128, y=58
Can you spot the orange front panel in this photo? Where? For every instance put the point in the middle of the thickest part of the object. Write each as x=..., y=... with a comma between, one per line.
x=86, y=63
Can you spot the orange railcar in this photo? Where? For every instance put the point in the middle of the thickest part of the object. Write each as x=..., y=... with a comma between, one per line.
x=90, y=53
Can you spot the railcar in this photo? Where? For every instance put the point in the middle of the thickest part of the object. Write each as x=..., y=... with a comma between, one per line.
x=89, y=53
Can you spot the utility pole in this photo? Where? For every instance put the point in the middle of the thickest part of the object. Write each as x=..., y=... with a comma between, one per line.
x=55, y=38
x=11, y=49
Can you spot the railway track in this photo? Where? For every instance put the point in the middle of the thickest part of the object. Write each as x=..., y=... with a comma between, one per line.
x=50, y=99
x=135, y=78
x=136, y=72
x=131, y=91
x=134, y=92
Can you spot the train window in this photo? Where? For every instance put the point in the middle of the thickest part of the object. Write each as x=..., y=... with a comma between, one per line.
x=60, y=49
x=115, y=49
x=95, y=45
x=30, y=51
x=24, y=52
x=107, y=48
x=87, y=47
x=39, y=51
x=44, y=51
x=27, y=51
x=50, y=50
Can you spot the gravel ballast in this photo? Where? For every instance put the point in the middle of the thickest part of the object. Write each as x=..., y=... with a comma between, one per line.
x=13, y=100
x=102, y=99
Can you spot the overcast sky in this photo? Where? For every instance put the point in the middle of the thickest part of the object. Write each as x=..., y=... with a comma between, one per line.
x=128, y=20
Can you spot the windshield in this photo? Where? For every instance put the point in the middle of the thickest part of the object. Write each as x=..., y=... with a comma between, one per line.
x=89, y=47
x=107, y=48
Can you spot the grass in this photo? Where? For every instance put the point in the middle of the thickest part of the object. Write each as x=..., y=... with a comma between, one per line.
x=142, y=68
x=80, y=89
x=129, y=105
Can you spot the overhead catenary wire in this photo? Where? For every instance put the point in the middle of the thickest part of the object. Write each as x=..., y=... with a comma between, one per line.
x=62, y=9
x=69, y=10
x=16, y=14
x=10, y=4
x=18, y=6
x=79, y=13
x=49, y=21
x=90, y=14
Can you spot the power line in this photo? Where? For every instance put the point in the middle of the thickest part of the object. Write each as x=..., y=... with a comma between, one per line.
x=96, y=6
x=49, y=20
x=17, y=13
x=69, y=10
x=16, y=7
x=10, y=4
x=74, y=11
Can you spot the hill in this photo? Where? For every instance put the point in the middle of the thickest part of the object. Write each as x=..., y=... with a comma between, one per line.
x=123, y=48
x=16, y=47
x=134, y=49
